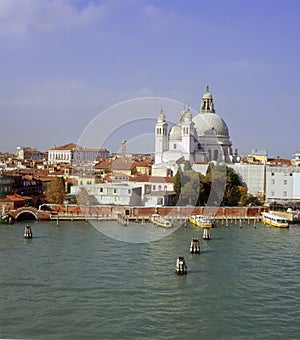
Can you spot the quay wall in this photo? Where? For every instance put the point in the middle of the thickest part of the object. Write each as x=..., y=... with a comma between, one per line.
x=140, y=212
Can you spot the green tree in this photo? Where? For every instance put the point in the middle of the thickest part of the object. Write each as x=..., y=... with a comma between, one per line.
x=248, y=199
x=177, y=186
x=204, y=189
x=215, y=180
x=187, y=165
x=191, y=188
x=55, y=192
x=221, y=185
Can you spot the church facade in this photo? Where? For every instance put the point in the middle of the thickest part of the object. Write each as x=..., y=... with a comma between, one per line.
x=202, y=138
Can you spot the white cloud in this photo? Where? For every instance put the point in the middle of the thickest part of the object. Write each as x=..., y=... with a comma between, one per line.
x=19, y=17
x=157, y=18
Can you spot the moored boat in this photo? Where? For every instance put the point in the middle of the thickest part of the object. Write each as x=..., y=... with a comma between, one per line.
x=181, y=267
x=160, y=221
x=5, y=219
x=201, y=221
x=274, y=220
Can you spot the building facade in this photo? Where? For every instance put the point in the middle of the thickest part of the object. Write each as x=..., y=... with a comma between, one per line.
x=202, y=138
x=282, y=183
x=113, y=193
x=28, y=153
x=72, y=153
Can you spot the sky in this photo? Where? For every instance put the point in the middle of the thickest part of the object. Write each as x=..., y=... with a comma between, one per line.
x=67, y=65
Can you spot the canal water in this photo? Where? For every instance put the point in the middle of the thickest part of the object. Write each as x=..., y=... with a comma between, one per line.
x=75, y=282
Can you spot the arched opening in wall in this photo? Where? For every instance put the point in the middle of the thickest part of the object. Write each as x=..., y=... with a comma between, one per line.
x=209, y=155
x=25, y=216
x=216, y=154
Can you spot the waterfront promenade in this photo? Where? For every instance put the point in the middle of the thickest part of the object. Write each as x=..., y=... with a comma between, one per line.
x=76, y=213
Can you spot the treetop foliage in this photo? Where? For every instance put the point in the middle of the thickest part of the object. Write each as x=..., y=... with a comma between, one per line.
x=220, y=186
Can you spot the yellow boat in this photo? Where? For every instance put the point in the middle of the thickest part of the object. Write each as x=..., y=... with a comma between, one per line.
x=160, y=221
x=274, y=220
x=201, y=221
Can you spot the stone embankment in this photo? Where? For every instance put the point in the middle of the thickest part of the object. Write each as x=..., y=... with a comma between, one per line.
x=109, y=212
x=75, y=212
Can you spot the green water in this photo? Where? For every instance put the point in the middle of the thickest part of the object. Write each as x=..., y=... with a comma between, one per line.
x=72, y=281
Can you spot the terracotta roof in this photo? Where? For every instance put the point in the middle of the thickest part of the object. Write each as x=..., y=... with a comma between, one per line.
x=17, y=197
x=120, y=174
x=143, y=164
x=73, y=146
x=105, y=165
x=115, y=165
x=151, y=179
x=122, y=165
x=279, y=160
x=69, y=146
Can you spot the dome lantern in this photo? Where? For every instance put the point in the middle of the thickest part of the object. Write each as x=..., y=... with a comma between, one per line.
x=207, y=103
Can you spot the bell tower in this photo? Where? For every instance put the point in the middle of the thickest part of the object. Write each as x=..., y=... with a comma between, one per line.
x=161, y=137
x=187, y=133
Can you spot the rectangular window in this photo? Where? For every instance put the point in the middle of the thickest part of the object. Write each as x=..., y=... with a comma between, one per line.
x=175, y=147
x=273, y=181
x=272, y=193
x=115, y=191
x=285, y=182
x=285, y=194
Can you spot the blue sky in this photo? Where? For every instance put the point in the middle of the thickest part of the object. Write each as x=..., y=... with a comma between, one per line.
x=63, y=62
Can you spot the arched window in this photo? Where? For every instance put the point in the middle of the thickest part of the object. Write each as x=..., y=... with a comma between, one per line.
x=216, y=154
x=209, y=155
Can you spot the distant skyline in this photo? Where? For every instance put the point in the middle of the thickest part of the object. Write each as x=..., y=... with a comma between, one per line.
x=65, y=62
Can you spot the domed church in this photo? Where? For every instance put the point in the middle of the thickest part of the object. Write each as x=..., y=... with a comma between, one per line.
x=203, y=138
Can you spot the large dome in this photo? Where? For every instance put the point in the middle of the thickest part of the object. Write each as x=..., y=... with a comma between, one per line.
x=210, y=123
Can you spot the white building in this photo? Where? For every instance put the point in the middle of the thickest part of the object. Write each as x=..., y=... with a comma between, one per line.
x=113, y=193
x=202, y=138
x=156, y=190
x=253, y=175
x=72, y=153
x=282, y=183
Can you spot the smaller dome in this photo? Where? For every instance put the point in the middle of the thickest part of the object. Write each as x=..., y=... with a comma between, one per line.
x=175, y=133
x=207, y=94
x=187, y=116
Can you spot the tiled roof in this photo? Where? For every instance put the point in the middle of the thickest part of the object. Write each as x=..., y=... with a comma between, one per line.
x=69, y=146
x=105, y=164
x=151, y=179
x=122, y=165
